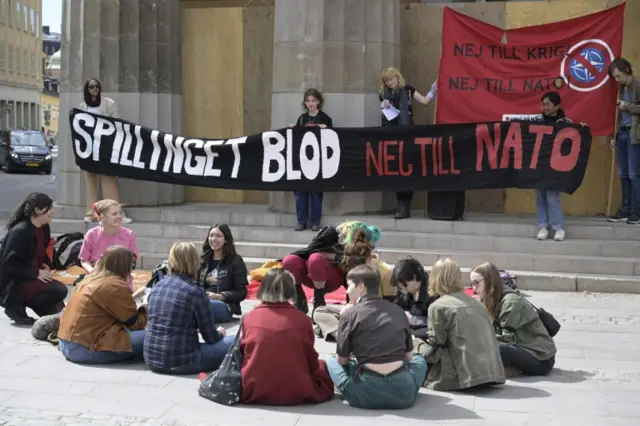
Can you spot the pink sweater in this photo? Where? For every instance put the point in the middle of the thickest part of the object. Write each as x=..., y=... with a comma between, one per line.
x=96, y=242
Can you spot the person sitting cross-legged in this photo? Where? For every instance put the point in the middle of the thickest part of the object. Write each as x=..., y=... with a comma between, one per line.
x=101, y=323
x=384, y=374
x=178, y=309
x=276, y=338
x=461, y=346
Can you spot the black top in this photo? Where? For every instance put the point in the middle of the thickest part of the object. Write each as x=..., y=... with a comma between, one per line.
x=230, y=279
x=418, y=309
x=410, y=90
x=17, y=257
x=306, y=120
x=374, y=331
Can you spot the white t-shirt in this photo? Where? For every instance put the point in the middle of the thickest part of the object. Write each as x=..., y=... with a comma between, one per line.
x=94, y=110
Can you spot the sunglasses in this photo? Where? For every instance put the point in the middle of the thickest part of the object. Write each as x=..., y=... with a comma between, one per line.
x=94, y=86
x=476, y=283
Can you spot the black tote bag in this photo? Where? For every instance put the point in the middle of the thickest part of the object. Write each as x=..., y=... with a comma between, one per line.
x=224, y=385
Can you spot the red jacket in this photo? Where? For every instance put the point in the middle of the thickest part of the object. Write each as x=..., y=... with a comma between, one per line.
x=280, y=365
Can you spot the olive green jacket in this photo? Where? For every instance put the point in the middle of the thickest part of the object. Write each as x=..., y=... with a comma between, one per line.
x=518, y=323
x=469, y=355
x=633, y=108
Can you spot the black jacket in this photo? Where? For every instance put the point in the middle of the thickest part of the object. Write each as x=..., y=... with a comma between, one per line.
x=325, y=241
x=232, y=280
x=419, y=309
x=17, y=259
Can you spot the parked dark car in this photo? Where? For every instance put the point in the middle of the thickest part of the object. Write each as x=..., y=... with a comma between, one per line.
x=24, y=150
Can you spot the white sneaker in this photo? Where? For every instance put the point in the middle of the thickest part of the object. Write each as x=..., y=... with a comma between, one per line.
x=89, y=219
x=543, y=234
x=559, y=235
x=126, y=220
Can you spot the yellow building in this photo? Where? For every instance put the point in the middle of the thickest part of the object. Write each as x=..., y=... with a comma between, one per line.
x=20, y=63
x=50, y=106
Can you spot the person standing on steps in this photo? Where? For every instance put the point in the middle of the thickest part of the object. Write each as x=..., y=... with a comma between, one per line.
x=314, y=116
x=95, y=103
x=627, y=141
x=548, y=208
x=394, y=94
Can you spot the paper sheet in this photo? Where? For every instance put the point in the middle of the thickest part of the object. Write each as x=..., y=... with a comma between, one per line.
x=390, y=113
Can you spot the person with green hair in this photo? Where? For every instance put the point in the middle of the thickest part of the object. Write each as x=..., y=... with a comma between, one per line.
x=317, y=266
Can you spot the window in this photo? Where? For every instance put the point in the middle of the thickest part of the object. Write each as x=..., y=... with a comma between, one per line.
x=1, y=53
x=1, y=10
x=17, y=14
x=18, y=60
x=33, y=21
x=10, y=58
x=33, y=64
x=37, y=24
x=25, y=15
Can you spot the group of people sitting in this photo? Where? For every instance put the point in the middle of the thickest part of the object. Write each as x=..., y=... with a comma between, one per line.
x=400, y=329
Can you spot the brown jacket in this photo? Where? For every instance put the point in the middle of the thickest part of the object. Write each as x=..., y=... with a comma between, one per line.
x=633, y=108
x=97, y=314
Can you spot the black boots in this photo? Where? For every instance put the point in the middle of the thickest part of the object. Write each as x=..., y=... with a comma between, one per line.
x=404, y=205
x=300, y=301
x=20, y=317
x=318, y=297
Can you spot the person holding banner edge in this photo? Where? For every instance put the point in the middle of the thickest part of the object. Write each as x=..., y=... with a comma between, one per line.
x=395, y=97
x=97, y=104
x=548, y=208
x=627, y=141
x=314, y=116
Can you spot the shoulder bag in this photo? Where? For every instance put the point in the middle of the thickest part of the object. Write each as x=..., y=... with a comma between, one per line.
x=224, y=385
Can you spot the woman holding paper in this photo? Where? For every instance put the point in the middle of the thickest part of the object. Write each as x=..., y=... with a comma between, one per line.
x=396, y=109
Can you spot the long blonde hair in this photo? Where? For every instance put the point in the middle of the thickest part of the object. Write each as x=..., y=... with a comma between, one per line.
x=390, y=73
x=445, y=278
x=117, y=261
x=493, y=287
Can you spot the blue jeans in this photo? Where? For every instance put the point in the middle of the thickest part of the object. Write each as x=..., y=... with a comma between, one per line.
x=628, y=156
x=548, y=209
x=209, y=359
x=302, y=206
x=221, y=311
x=82, y=355
x=366, y=389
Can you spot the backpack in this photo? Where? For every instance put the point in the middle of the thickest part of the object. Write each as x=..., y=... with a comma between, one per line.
x=508, y=279
x=160, y=271
x=66, y=250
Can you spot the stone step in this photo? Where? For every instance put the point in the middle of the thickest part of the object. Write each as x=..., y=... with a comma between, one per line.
x=527, y=280
x=394, y=239
x=497, y=225
x=505, y=260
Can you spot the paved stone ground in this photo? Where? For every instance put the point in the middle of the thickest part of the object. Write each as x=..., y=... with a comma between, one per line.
x=596, y=382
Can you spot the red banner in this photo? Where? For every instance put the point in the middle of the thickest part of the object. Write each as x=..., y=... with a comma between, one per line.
x=487, y=74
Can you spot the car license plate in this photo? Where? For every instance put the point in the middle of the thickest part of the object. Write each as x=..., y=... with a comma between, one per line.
x=32, y=164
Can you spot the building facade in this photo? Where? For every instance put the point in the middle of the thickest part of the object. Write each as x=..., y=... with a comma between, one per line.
x=50, y=107
x=20, y=63
x=223, y=68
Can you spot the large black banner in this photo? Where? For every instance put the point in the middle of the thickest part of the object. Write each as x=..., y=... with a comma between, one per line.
x=437, y=157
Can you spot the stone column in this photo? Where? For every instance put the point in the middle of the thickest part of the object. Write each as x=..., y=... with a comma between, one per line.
x=338, y=47
x=133, y=48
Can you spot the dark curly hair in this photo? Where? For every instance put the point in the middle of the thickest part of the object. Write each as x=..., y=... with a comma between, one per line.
x=28, y=208
x=357, y=253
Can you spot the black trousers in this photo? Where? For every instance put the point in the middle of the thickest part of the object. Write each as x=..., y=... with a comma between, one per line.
x=49, y=301
x=404, y=196
x=522, y=360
